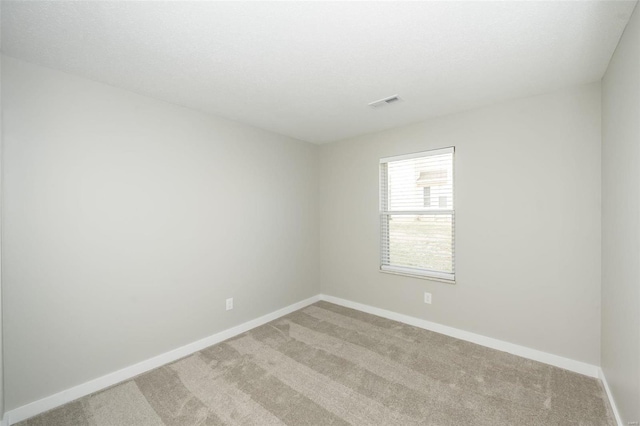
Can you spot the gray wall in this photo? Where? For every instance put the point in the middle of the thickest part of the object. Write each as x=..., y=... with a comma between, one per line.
x=527, y=222
x=128, y=221
x=621, y=223
x=1, y=194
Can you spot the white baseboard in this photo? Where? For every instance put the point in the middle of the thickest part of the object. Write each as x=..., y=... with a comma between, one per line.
x=32, y=409
x=616, y=413
x=523, y=351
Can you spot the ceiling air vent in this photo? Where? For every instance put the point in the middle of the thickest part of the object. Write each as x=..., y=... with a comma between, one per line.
x=385, y=101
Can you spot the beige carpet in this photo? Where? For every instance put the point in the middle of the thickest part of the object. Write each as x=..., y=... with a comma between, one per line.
x=329, y=365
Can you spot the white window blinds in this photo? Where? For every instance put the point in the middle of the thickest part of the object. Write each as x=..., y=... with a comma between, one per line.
x=417, y=214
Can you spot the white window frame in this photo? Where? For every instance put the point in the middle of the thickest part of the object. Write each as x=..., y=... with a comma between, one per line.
x=384, y=214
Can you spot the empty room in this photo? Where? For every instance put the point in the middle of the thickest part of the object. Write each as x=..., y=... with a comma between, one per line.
x=320, y=213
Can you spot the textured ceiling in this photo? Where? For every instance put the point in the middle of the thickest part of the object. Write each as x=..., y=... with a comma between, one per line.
x=309, y=69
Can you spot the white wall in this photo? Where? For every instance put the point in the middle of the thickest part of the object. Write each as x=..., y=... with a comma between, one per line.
x=128, y=221
x=527, y=222
x=621, y=223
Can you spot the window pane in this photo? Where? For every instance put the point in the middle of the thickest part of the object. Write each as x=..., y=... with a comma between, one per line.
x=427, y=196
x=424, y=241
x=417, y=214
x=413, y=183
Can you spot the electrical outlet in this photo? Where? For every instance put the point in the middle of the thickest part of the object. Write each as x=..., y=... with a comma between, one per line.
x=427, y=297
x=229, y=304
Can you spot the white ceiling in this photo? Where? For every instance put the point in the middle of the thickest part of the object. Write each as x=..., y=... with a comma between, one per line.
x=309, y=69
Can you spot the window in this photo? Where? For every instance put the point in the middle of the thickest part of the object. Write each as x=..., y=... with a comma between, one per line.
x=427, y=196
x=417, y=214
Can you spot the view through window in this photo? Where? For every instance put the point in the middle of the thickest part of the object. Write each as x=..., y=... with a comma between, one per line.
x=417, y=214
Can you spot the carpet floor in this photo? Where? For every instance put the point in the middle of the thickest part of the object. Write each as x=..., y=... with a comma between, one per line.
x=330, y=365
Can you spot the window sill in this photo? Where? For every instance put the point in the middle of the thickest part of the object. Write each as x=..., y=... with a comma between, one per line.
x=416, y=275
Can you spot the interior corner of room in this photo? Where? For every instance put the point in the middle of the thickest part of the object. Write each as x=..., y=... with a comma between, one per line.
x=154, y=205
